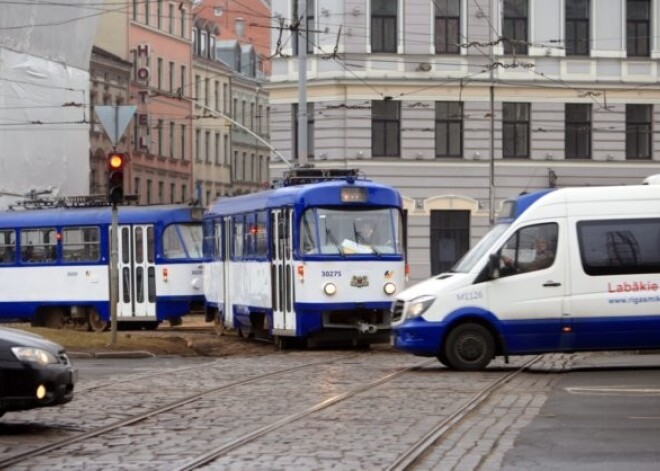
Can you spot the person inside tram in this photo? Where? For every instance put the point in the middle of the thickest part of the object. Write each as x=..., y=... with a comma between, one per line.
x=365, y=232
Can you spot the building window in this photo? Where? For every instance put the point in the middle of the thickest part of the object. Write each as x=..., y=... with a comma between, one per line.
x=515, y=27
x=159, y=72
x=183, y=142
x=515, y=130
x=171, y=77
x=225, y=154
x=135, y=9
x=147, y=12
x=198, y=145
x=383, y=25
x=450, y=238
x=136, y=186
x=203, y=42
x=225, y=98
x=183, y=81
x=243, y=165
x=577, y=27
x=235, y=109
x=448, y=129
x=171, y=140
x=161, y=192
x=184, y=193
x=197, y=95
x=216, y=96
x=217, y=148
x=148, y=191
x=207, y=91
x=160, y=137
x=172, y=193
x=207, y=147
x=252, y=117
x=309, y=12
x=159, y=12
x=578, y=131
x=310, y=130
x=183, y=22
x=260, y=113
x=170, y=27
x=385, y=128
x=234, y=164
x=447, y=26
x=638, y=27
x=638, y=131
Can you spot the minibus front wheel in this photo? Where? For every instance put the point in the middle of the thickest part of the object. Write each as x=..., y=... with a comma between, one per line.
x=468, y=347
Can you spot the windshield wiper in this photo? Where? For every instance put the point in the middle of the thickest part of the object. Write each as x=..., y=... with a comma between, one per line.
x=360, y=240
x=331, y=238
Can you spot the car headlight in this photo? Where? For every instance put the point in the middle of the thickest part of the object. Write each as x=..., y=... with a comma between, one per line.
x=419, y=305
x=34, y=355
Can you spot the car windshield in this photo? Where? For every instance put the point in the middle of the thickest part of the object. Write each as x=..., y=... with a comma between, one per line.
x=326, y=231
x=485, y=245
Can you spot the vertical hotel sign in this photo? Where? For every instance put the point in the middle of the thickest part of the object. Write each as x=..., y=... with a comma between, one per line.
x=143, y=74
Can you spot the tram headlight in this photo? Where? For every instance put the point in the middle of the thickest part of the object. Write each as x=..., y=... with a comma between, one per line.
x=419, y=306
x=329, y=289
x=389, y=288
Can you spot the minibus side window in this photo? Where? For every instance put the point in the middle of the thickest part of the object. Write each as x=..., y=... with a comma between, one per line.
x=530, y=249
x=619, y=247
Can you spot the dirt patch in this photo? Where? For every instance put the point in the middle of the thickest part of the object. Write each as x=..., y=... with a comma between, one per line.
x=194, y=337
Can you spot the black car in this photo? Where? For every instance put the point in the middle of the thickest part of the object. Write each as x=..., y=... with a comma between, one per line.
x=34, y=372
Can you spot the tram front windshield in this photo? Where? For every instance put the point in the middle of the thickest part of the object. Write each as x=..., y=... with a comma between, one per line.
x=325, y=231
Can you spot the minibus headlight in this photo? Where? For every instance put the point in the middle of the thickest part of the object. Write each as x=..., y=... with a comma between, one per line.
x=419, y=306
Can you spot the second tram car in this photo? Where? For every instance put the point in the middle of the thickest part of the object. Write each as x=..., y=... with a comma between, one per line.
x=319, y=261
x=54, y=265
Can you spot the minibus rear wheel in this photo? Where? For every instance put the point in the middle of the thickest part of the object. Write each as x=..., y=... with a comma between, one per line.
x=469, y=347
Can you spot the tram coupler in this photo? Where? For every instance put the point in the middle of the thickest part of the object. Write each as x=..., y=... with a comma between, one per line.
x=365, y=328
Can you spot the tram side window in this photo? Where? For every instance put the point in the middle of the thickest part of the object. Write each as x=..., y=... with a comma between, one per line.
x=7, y=247
x=81, y=244
x=183, y=241
x=238, y=236
x=38, y=245
x=261, y=235
x=619, y=247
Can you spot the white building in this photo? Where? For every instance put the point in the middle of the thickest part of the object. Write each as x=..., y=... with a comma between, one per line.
x=402, y=90
x=45, y=54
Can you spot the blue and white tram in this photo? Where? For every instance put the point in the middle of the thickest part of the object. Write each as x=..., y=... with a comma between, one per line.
x=54, y=265
x=291, y=263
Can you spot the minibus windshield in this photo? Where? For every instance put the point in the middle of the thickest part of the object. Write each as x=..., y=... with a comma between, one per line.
x=485, y=245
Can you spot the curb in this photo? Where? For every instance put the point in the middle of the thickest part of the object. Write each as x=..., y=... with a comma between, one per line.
x=119, y=354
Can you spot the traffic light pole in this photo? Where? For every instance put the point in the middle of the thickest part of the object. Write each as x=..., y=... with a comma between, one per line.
x=114, y=274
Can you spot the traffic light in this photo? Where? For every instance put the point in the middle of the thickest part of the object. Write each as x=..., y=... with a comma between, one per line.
x=116, y=177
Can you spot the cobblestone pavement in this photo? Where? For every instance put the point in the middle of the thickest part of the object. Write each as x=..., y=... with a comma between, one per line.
x=366, y=431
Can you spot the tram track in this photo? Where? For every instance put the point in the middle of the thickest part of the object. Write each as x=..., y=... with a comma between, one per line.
x=405, y=461
x=410, y=457
x=229, y=449
x=81, y=437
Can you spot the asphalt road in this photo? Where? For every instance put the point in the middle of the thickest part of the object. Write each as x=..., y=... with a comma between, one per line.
x=603, y=416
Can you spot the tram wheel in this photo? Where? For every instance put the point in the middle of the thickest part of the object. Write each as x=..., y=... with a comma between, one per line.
x=469, y=347
x=95, y=323
x=54, y=319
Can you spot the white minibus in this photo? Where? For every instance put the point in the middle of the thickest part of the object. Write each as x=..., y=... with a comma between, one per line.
x=564, y=270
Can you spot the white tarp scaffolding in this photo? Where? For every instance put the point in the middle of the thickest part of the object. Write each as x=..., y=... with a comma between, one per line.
x=45, y=50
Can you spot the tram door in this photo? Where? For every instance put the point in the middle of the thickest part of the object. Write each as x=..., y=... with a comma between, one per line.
x=226, y=278
x=137, y=272
x=282, y=276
